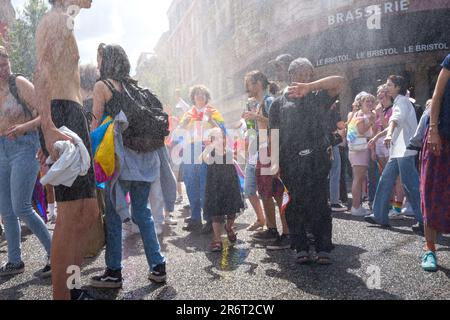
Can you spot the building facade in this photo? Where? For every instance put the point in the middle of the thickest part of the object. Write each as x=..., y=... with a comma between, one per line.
x=216, y=42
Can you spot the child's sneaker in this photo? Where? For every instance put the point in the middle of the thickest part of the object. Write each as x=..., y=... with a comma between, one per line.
x=158, y=274
x=216, y=246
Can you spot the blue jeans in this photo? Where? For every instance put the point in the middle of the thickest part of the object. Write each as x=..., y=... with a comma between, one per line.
x=335, y=176
x=18, y=173
x=406, y=168
x=195, y=180
x=142, y=216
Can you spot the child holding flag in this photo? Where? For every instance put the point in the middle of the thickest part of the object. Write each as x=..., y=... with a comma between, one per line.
x=223, y=194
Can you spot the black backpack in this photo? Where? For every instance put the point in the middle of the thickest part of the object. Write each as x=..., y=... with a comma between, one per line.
x=148, y=123
x=12, y=82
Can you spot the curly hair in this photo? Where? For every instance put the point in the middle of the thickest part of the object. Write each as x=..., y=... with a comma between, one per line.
x=199, y=89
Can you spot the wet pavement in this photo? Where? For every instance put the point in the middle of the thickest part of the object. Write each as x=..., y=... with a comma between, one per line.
x=370, y=263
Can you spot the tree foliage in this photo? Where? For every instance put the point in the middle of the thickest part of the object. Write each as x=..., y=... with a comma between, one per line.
x=21, y=37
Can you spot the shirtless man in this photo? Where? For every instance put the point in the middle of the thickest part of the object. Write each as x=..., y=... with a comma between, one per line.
x=57, y=82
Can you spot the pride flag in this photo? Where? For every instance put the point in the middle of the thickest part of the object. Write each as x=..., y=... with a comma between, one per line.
x=286, y=198
x=103, y=150
x=39, y=200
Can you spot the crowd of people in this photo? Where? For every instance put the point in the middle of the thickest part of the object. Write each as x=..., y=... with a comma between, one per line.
x=398, y=158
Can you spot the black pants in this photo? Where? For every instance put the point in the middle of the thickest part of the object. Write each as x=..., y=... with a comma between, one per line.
x=344, y=168
x=306, y=178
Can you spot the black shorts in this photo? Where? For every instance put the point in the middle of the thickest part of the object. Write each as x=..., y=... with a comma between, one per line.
x=71, y=115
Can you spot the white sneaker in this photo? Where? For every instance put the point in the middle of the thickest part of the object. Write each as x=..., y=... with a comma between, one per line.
x=394, y=215
x=408, y=211
x=170, y=221
x=361, y=212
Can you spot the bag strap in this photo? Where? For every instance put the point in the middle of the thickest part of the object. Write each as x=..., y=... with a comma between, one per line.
x=12, y=82
x=110, y=86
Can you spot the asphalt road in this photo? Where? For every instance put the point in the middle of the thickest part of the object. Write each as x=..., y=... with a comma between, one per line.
x=370, y=263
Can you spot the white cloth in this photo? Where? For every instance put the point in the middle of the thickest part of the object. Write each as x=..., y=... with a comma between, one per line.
x=404, y=115
x=74, y=161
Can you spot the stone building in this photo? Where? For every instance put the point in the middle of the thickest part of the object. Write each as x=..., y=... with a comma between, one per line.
x=216, y=42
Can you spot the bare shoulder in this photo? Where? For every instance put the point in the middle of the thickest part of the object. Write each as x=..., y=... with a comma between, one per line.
x=101, y=90
x=23, y=83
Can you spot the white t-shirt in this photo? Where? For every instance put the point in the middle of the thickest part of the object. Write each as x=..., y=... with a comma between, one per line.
x=405, y=116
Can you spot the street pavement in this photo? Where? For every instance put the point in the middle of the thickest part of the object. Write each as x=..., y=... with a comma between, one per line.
x=369, y=263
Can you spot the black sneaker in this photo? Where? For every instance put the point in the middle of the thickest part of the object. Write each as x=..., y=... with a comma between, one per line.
x=76, y=294
x=371, y=220
x=419, y=229
x=207, y=228
x=282, y=243
x=111, y=279
x=193, y=226
x=158, y=274
x=9, y=269
x=45, y=272
x=338, y=208
x=268, y=235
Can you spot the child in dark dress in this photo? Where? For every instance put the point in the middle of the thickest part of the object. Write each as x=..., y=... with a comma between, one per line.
x=223, y=195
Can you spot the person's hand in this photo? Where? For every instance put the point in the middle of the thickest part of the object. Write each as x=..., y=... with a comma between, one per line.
x=185, y=122
x=379, y=109
x=434, y=142
x=299, y=90
x=16, y=131
x=250, y=115
x=372, y=142
x=388, y=141
x=51, y=136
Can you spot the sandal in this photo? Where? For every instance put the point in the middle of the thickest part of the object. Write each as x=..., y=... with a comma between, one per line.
x=303, y=258
x=324, y=259
x=232, y=236
x=216, y=246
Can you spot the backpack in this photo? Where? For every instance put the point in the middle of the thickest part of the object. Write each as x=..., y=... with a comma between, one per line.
x=148, y=124
x=12, y=82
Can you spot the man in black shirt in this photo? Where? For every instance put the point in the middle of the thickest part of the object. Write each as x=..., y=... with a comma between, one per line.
x=301, y=115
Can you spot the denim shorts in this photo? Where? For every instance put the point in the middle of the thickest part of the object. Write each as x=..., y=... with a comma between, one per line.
x=250, y=181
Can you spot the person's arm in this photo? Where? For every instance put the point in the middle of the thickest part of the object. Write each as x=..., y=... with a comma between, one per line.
x=389, y=132
x=434, y=139
x=100, y=100
x=377, y=137
x=49, y=41
x=332, y=85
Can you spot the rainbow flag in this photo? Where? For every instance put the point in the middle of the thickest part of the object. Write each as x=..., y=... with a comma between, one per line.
x=103, y=150
x=352, y=130
x=39, y=199
x=240, y=174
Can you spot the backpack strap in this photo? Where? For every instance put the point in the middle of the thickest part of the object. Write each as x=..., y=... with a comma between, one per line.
x=109, y=85
x=12, y=81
